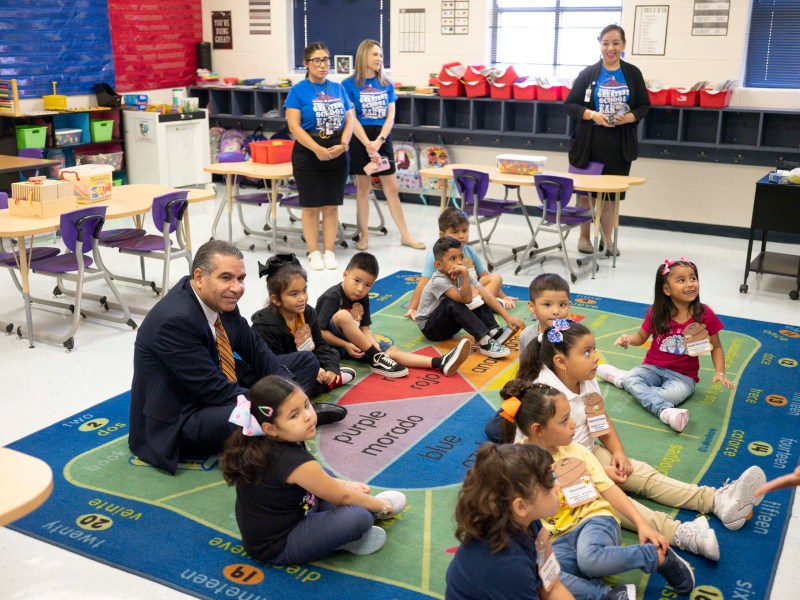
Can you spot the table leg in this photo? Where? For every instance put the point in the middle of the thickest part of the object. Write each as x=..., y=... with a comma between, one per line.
x=229, y=200
x=187, y=231
x=273, y=203
x=616, y=230
x=598, y=211
x=445, y=192
x=750, y=239
x=22, y=263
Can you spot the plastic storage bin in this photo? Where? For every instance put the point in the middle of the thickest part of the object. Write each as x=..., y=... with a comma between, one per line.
x=450, y=83
x=68, y=137
x=92, y=183
x=554, y=93
x=715, y=99
x=271, y=152
x=525, y=90
x=101, y=130
x=682, y=97
x=520, y=164
x=475, y=82
x=31, y=136
x=659, y=97
x=113, y=159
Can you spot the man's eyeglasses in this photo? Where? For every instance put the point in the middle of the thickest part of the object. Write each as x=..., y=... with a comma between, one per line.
x=320, y=61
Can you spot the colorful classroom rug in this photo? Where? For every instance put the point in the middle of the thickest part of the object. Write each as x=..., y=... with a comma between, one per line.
x=420, y=434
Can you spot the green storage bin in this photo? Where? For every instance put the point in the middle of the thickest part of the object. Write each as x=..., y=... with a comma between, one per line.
x=31, y=136
x=101, y=130
x=116, y=182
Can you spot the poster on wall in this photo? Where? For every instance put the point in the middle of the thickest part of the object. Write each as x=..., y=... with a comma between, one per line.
x=650, y=30
x=412, y=30
x=710, y=18
x=455, y=17
x=260, y=17
x=221, y=28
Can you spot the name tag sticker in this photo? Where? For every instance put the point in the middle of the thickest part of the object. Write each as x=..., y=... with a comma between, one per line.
x=574, y=482
x=546, y=560
x=596, y=417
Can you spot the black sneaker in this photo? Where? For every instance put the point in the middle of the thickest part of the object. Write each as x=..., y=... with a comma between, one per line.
x=622, y=592
x=502, y=335
x=677, y=572
x=383, y=365
x=456, y=357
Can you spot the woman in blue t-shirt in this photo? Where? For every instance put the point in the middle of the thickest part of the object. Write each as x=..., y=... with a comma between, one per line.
x=373, y=98
x=320, y=118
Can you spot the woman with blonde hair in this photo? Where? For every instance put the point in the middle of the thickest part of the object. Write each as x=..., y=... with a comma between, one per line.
x=373, y=97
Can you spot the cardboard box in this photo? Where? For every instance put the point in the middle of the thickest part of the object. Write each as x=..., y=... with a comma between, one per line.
x=92, y=183
x=41, y=198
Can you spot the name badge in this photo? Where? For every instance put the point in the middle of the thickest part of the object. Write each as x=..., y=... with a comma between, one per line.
x=574, y=482
x=303, y=340
x=588, y=95
x=357, y=312
x=546, y=561
x=596, y=417
x=697, y=340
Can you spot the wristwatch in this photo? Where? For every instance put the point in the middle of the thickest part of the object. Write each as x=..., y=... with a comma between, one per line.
x=346, y=147
x=381, y=138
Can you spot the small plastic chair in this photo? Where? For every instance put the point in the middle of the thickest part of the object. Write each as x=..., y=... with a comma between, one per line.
x=472, y=186
x=558, y=217
x=168, y=210
x=80, y=231
x=591, y=168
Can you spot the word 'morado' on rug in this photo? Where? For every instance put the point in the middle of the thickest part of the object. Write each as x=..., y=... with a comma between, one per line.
x=419, y=434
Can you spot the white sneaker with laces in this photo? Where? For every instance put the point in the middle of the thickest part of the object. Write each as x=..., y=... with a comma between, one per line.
x=315, y=261
x=677, y=418
x=383, y=365
x=611, y=374
x=735, y=500
x=329, y=260
x=494, y=350
x=372, y=541
x=698, y=538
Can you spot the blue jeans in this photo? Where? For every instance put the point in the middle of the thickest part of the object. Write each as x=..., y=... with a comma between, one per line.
x=322, y=531
x=657, y=388
x=584, y=589
x=593, y=549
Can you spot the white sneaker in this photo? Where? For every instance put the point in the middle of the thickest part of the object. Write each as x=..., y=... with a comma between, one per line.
x=315, y=261
x=396, y=499
x=330, y=260
x=698, y=538
x=372, y=541
x=622, y=592
x=735, y=500
x=611, y=374
x=347, y=374
x=494, y=350
x=677, y=418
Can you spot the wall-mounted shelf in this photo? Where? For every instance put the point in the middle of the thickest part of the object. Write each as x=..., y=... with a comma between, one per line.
x=728, y=135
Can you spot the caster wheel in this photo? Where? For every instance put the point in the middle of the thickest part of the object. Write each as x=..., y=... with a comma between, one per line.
x=343, y=244
x=19, y=332
x=72, y=308
x=291, y=220
x=794, y=295
x=285, y=238
x=531, y=253
x=269, y=248
x=356, y=238
x=252, y=247
x=743, y=288
x=573, y=278
x=384, y=231
x=490, y=266
x=514, y=253
x=517, y=270
x=211, y=239
x=153, y=287
x=56, y=291
x=597, y=269
x=132, y=324
x=9, y=328
x=105, y=306
x=579, y=262
x=69, y=344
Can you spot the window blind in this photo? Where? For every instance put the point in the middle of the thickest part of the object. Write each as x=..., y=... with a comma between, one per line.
x=773, y=48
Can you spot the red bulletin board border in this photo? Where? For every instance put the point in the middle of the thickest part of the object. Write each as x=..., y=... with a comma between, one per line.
x=155, y=43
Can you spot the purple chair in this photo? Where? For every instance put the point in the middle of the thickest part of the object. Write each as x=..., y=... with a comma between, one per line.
x=80, y=231
x=558, y=217
x=472, y=186
x=168, y=210
x=591, y=168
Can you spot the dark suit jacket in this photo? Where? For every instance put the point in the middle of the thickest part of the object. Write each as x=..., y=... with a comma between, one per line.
x=176, y=372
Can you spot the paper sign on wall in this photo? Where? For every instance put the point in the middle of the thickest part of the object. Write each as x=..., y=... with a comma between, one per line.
x=221, y=28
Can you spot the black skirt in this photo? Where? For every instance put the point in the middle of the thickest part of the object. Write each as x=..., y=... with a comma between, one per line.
x=319, y=183
x=358, y=153
x=607, y=149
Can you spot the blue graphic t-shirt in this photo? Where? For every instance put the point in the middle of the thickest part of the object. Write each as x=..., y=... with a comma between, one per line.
x=322, y=105
x=611, y=91
x=371, y=101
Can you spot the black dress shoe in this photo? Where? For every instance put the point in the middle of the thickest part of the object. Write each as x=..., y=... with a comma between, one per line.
x=328, y=413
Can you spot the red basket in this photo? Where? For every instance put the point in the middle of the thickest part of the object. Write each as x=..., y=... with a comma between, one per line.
x=554, y=93
x=683, y=97
x=477, y=89
x=451, y=88
x=525, y=92
x=712, y=99
x=271, y=152
x=501, y=91
x=451, y=72
x=660, y=97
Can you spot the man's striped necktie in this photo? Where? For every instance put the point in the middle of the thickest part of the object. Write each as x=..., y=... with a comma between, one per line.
x=226, y=361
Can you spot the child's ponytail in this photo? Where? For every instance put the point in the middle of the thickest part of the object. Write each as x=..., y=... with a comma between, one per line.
x=501, y=473
x=279, y=270
x=525, y=403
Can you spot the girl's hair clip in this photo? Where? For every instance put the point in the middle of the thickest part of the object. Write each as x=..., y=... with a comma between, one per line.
x=509, y=409
x=669, y=262
x=266, y=411
x=276, y=263
x=554, y=335
x=242, y=417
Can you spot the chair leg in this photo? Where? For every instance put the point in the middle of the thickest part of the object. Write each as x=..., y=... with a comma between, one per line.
x=217, y=217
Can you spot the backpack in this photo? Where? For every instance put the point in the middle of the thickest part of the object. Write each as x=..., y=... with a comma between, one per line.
x=214, y=135
x=232, y=140
x=434, y=156
x=256, y=136
x=406, y=160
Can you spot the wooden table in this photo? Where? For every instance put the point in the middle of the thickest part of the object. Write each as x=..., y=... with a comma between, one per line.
x=25, y=483
x=126, y=201
x=9, y=164
x=248, y=168
x=607, y=187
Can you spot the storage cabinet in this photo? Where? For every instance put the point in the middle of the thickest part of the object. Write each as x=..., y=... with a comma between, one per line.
x=112, y=149
x=728, y=135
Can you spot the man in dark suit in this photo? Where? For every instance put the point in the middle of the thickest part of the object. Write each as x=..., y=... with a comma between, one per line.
x=185, y=374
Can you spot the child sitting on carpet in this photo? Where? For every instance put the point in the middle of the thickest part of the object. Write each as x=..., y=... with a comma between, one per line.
x=345, y=323
x=453, y=300
x=682, y=328
x=585, y=532
x=501, y=556
x=288, y=324
x=289, y=510
x=454, y=222
x=566, y=360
